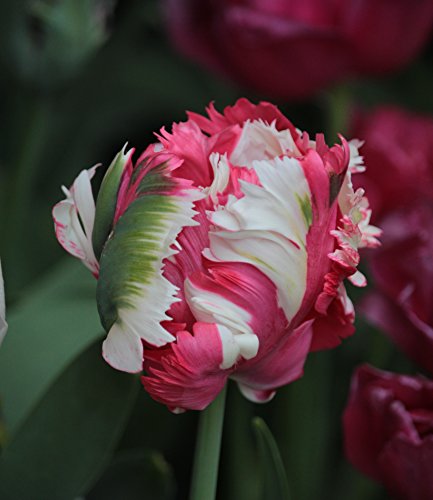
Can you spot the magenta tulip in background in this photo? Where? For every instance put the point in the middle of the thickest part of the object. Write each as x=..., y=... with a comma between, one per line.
x=399, y=179
x=292, y=49
x=399, y=154
x=388, y=431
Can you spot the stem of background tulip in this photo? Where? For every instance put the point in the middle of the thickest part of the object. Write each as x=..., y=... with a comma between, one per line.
x=19, y=199
x=338, y=101
x=207, y=451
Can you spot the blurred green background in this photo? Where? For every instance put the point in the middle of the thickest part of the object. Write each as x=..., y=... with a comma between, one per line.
x=78, y=79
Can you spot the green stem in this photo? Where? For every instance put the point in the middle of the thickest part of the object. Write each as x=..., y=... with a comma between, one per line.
x=307, y=405
x=28, y=159
x=207, y=451
x=241, y=477
x=21, y=191
x=338, y=112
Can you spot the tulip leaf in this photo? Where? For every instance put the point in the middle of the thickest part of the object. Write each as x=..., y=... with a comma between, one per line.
x=106, y=202
x=47, y=330
x=275, y=484
x=134, y=475
x=66, y=440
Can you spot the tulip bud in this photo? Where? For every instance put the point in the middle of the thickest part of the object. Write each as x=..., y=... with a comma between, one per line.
x=61, y=37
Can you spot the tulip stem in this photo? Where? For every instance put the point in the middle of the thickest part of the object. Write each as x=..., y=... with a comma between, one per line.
x=338, y=112
x=34, y=135
x=207, y=451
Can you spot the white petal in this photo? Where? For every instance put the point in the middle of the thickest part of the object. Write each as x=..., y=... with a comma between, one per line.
x=231, y=349
x=256, y=396
x=248, y=345
x=268, y=228
x=232, y=321
x=221, y=172
x=356, y=162
x=84, y=201
x=358, y=279
x=262, y=141
x=146, y=307
x=210, y=307
x=122, y=349
x=157, y=296
x=74, y=219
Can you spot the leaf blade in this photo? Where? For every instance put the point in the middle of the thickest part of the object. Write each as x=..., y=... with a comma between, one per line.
x=65, y=442
x=275, y=484
x=56, y=322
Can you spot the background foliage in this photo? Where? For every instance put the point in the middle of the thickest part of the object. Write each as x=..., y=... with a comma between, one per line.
x=78, y=79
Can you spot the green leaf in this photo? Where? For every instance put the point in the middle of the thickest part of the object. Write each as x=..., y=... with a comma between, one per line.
x=134, y=475
x=66, y=441
x=275, y=484
x=47, y=330
x=106, y=201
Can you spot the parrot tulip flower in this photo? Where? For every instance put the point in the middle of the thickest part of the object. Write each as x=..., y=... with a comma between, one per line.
x=221, y=252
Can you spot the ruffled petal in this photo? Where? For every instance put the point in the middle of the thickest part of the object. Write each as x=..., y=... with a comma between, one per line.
x=284, y=364
x=262, y=141
x=242, y=111
x=187, y=143
x=267, y=228
x=74, y=218
x=187, y=375
x=337, y=324
x=244, y=300
x=213, y=304
x=133, y=294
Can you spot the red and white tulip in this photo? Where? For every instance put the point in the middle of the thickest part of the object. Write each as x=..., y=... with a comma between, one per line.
x=221, y=252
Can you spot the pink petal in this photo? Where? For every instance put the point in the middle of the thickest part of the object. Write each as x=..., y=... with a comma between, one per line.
x=284, y=364
x=187, y=143
x=334, y=326
x=242, y=111
x=187, y=374
x=249, y=290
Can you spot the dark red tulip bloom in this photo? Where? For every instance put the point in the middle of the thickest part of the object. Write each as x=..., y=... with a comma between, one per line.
x=292, y=49
x=399, y=154
x=388, y=431
x=402, y=305
x=399, y=179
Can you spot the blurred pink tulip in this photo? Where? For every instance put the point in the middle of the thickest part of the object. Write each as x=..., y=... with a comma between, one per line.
x=399, y=154
x=292, y=49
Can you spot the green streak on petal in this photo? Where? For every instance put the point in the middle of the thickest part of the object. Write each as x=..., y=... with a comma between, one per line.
x=307, y=211
x=257, y=260
x=106, y=202
x=132, y=253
